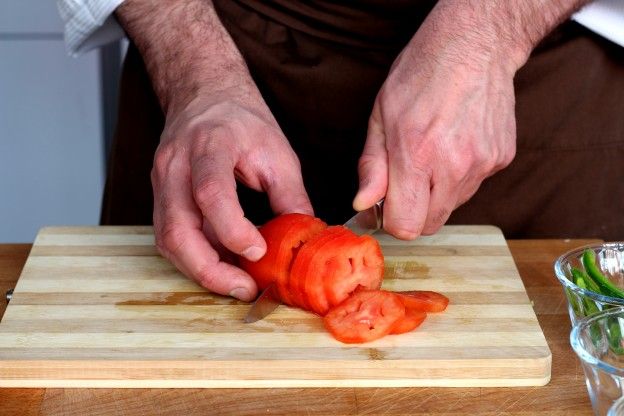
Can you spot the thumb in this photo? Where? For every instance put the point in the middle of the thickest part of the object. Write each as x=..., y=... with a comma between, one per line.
x=373, y=165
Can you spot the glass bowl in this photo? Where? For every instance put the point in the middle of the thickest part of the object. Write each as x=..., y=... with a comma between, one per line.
x=598, y=341
x=583, y=302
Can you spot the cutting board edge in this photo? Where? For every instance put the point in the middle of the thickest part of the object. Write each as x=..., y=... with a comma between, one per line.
x=538, y=373
x=230, y=384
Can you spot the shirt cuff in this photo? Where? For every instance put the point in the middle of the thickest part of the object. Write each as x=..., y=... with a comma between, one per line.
x=604, y=17
x=89, y=24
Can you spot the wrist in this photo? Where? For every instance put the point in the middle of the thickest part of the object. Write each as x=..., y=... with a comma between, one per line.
x=502, y=31
x=186, y=50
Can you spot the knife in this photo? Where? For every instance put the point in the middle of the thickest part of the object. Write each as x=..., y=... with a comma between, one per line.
x=364, y=222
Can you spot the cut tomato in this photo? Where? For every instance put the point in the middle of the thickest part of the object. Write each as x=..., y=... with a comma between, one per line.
x=303, y=268
x=364, y=316
x=412, y=320
x=284, y=235
x=332, y=265
x=424, y=300
x=358, y=263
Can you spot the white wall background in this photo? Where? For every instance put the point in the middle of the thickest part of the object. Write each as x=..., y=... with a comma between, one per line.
x=51, y=144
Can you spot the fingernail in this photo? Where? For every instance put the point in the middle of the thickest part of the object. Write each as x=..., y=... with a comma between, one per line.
x=240, y=293
x=253, y=253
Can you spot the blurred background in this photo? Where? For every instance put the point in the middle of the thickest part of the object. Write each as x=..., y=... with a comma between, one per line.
x=56, y=118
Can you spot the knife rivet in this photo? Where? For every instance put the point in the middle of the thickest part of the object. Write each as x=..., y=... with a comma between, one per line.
x=9, y=295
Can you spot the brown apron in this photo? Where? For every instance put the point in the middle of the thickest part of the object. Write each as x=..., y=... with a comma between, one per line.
x=319, y=65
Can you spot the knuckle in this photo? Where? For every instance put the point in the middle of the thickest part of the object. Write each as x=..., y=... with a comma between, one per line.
x=163, y=157
x=367, y=161
x=170, y=240
x=414, y=133
x=269, y=179
x=464, y=164
x=436, y=221
x=208, y=194
x=207, y=139
x=457, y=173
x=206, y=276
x=165, y=204
x=236, y=239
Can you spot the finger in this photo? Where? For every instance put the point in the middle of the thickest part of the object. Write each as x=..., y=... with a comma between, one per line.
x=214, y=190
x=442, y=201
x=286, y=191
x=468, y=192
x=224, y=254
x=407, y=200
x=372, y=166
x=179, y=236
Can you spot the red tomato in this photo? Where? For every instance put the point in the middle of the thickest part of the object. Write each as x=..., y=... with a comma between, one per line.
x=424, y=300
x=360, y=264
x=344, y=264
x=284, y=235
x=302, y=265
x=409, y=322
x=364, y=316
x=330, y=266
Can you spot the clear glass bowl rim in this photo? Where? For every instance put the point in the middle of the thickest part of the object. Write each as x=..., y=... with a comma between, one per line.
x=585, y=355
x=561, y=276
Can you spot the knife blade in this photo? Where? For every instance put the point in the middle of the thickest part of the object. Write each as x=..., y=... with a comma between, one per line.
x=367, y=221
x=364, y=222
x=266, y=303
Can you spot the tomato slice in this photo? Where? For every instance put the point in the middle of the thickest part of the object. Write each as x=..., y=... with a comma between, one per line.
x=329, y=267
x=412, y=320
x=303, y=267
x=359, y=263
x=424, y=300
x=284, y=235
x=364, y=316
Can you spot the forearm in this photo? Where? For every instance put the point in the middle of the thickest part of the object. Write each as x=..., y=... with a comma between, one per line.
x=511, y=28
x=185, y=47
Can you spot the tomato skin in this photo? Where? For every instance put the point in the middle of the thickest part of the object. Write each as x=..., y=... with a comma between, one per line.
x=364, y=316
x=424, y=300
x=412, y=320
x=283, y=234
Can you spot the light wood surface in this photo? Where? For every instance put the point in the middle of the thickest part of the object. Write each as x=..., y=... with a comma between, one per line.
x=97, y=307
x=566, y=394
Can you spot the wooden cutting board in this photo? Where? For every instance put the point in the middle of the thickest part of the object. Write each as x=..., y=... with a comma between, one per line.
x=97, y=307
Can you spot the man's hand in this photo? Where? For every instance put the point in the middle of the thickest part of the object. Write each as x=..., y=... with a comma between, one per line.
x=218, y=129
x=444, y=119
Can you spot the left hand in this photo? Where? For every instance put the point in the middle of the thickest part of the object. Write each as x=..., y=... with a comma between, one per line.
x=442, y=122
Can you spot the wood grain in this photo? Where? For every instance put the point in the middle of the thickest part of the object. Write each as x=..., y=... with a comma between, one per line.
x=564, y=395
x=130, y=344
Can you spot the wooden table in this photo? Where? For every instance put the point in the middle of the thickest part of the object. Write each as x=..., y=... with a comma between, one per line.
x=564, y=395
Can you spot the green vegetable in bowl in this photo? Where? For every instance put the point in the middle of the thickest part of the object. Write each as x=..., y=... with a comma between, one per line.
x=594, y=280
x=588, y=283
x=588, y=305
x=614, y=335
x=606, y=287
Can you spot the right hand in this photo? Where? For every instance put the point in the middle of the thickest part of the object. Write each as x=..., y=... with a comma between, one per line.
x=206, y=145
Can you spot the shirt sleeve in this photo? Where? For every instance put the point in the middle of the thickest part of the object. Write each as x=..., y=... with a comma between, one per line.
x=604, y=17
x=89, y=24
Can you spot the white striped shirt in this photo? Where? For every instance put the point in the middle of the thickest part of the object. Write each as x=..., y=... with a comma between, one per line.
x=89, y=23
